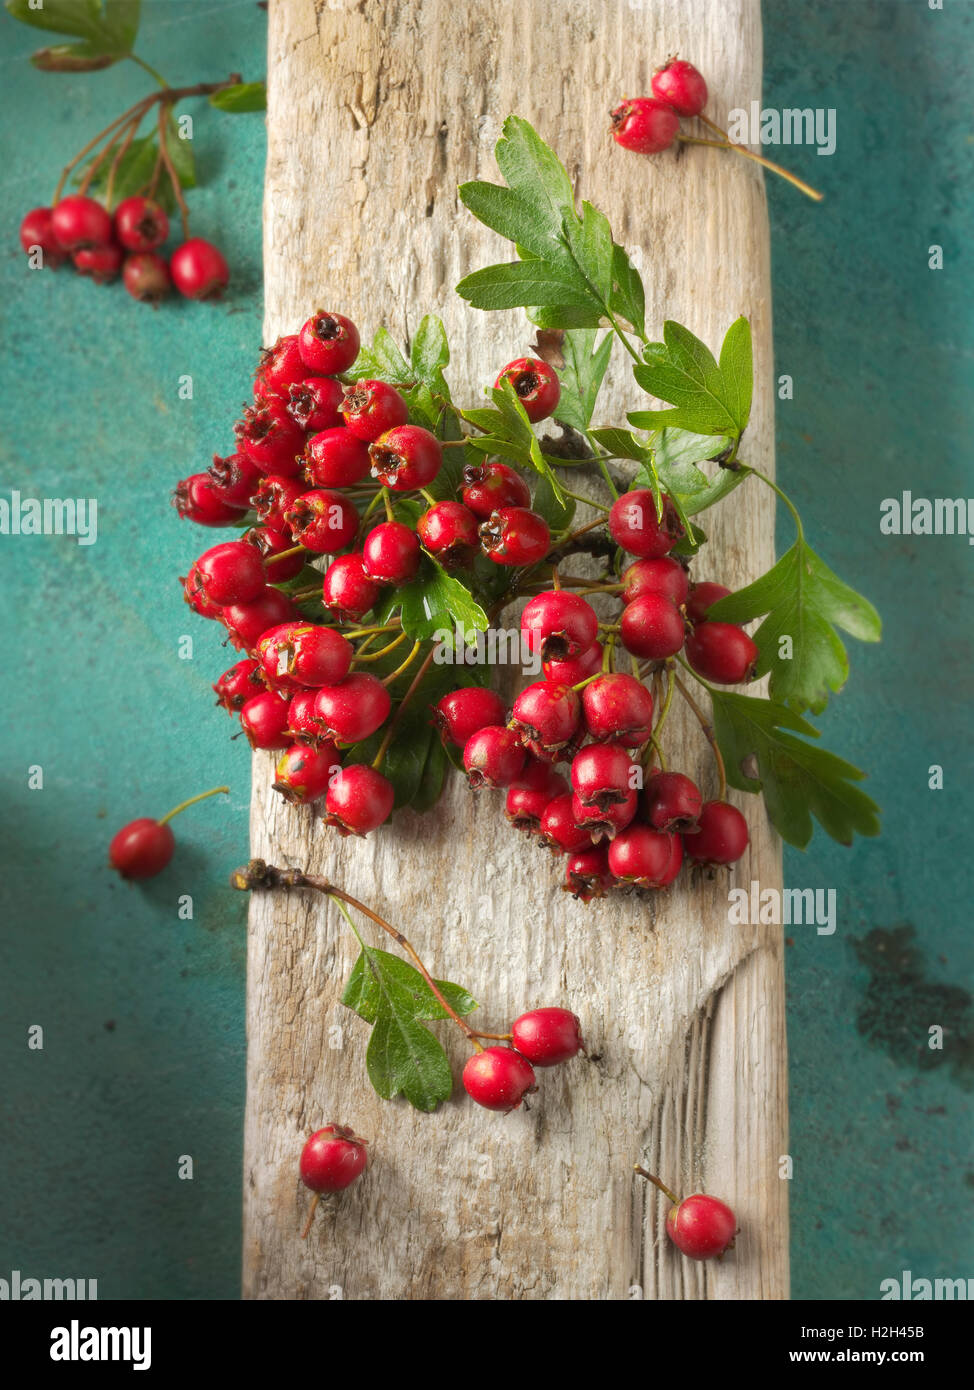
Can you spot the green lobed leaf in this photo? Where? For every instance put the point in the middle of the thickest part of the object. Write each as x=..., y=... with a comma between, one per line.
x=522, y=283
x=628, y=298
x=590, y=241
x=533, y=170
x=377, y=974
x=108, y=27
x=707, y=397
x=803, y=599
x=677, y=454
x=435, y=600
x=243, y=96
x=799, y=780
x=581, y=377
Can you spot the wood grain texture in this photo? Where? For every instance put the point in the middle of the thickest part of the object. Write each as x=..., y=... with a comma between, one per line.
x=376, y=112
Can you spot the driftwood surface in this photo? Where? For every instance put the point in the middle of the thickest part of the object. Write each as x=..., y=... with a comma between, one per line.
x=376, y=112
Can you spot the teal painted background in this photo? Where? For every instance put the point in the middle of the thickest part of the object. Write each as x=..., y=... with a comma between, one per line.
x=143, y=1012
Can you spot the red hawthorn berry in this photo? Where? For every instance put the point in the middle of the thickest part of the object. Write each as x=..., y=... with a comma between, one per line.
x=230, y=573
x=663, y=576
x=463, y=713
x=247, y=622
x=545, y=718
x=332, y=1159
x=672, y=802
x=722, y=652
x=264, y=719
x=492, y=485
x=313, y=403
x=634, y=525
x=547, y=1037
x=493, y=757
x=449, y=531
x=618, y=707
x=354, y=708
x=680, y=85
x=391, y=553
x=498, y=1078
x=535, y=385
x=347, y=590
x=146, y=277
x=271, y=439
x=515, y=536
x=329, y=343
x=303, y=773
x=196, y=598
x=273, y=498
x=140, y=224
x=37, y=232
x=270, y=544
x=302, y=721
x=300, y=653
x=652, y=627
x=720, y=837
x=322, y=521
x=199, y=270
x=359, y=799
x=605, y=822
x=238, y=684
x=577, y=668
x=370, y=408
x=281, y=366
x=644, y=124
x=142, y=848
x=560, y=831
x=603, y=774
x=587, y=873
x=101, y=263
x=642, y=856
x=524, y=807
x=235, y=478
x=79, y=223
x=197, y=498
x=559, y=625
x=701, y=1227
x=336, y=458
x=702, y=598
x=406, y=458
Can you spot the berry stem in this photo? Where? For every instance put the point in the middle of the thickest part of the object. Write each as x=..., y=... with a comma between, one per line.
x=590, y=526
x=387, y=680
x=383, y=651
x=656, y=1183
x=589, y=501
x=311, y=1215
x=728, y=144
x=191, y=802
x=285, y=555
x=397, y=717
x=366, y=631
x=588, y=681
x=668, y=700
x=120, y=153
x=146, y=67
x=387, y=503
x=165, y=107
x=708, y=731
x=613, y=490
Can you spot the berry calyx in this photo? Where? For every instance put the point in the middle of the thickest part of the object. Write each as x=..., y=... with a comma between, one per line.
x=720, y=837
x=198, y=498
x=449, y=531
x=663, y=576
x=303, y=773
x=672, y=802
x=634, y=525
x=273, y=498
x=605, y=822
x=391, y=553
x=230, y=573
x=535, y=385
x=359, y=799
x=546, y=717
x=547, y=1037
x=722, y=652
x=328, y=343
x=264, y=719
x=235, y=479
x=302, y=721
x=37, y=233
x=587, y=874
x=463, y=713
x=313, y=403
x=702, y=597
x=406, y=457
x=79, y=223
x=296, y=654
x=652, y=627
x=144, y=847
x=322, y=521
x=336, y=458
x=370, y=408
x=346, y=588
x=493, y=757
x=644, y=124
x=353, y=709
x=498, y=1078
x=642, y=856
x=559, y=625
x=140, y=224
x=199, y=270
x=618, y=707
x=146, y=277
x=679, y=84
x=491, y=485
x=515, y=536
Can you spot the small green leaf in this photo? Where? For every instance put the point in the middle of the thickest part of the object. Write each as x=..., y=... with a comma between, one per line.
x=624, y=444
x=435, y=600
x=377, y=973
x=707, y=398
x=108, y=28
x=79, y=17
x=243, y=96
x=430, y=353
x=523, y=283
x=181, y=154
x=533, y=170
x=581, y=377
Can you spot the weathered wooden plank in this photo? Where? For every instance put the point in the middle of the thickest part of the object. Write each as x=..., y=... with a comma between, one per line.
x=376, y=113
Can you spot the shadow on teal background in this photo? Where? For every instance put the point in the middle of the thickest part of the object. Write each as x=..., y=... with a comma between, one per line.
x=144, y=1013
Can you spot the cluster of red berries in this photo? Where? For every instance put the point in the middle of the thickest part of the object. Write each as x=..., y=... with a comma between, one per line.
x=102, y=245
x=498, y=1078
x=650, y=124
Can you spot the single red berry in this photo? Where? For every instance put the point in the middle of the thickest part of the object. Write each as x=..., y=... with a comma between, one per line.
x=515, y=536
x=303, y=723
x=197, y=498
x=332, y=1159
x=247, y=622
x=369, y=408
x=271, y=439
x=335, y=458
x=199, y=270
x=663, y=576
x=264, y=719
x=79, y=223
x=524, y=807
x=235, y=478
x=545, y=718
x=535, y=385
x=603, y=774
x=359, y=799
x=196, y=598
x=605, y=822
x=146, y=277
x=140, y=224
x=493, y=757
x=587, y=873
x=230, y=573
x=391, y=553
x=681, y=85
x=236, y=686
x=498, y=1078
x=37, y=233
x=322, y=521
x=635, y=526
x=329, y=343
x=281, y=367
x=577, y=668
x=303, y=773
x=354, y=708
x=644, y=124
x=273, y=498
x=270, y=544
x=406, y=457
x=489, y=486
x=559, y=829
x=142, y=848
x=702, y=597
x=652, y=627
x=463, y=713
x=701, y=1227
x=299, y=653
x=346, y=589
x=313, y=403
x=449, y=531
x=100, y=263
x=618, y=707
x=547, y=1037
x=559, y=625
x=722, y=652
x=672, y=802
x=720, y=837
x=641, y=856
